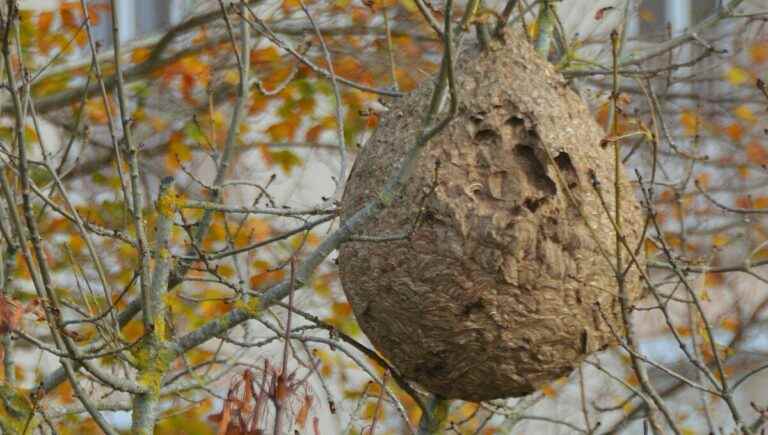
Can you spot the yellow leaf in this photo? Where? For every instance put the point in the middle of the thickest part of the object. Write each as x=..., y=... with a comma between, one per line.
x=745, y=113
x=322, y=286
x=409, y=5
x=178, y=152
x=650, y=247
x=720, y=239
x=627, y=408
x=737, y=76
x=743, y=171
x=253, y=230
x=673, y=240
x=632, y=379
x=647, y=15
x=760, y=255
x=140, y=54
x=226, y=270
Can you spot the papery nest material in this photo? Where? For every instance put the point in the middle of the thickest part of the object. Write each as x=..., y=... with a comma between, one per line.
x=500, y=286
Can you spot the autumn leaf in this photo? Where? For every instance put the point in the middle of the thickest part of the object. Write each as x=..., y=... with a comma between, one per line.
x=265, y=276
x=69, y=12
x=760, y=202
x=600, y=14
x=730, y=324
x=178, y=153
x=734, y=131
x=301, y=416
x=737, y=76
x=691, y=122
x=10, y=314
x=758, y=52
x=286, y=159
x=713, y=279
x=756, y=153
x=744, y=113
x=720, y=239
x=264, y=55
x=647, y=15
x=650, y=247
x=140, y=54
x=549, y=391
x=683, y=331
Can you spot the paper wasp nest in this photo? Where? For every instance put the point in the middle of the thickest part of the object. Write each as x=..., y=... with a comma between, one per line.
x=500, y=287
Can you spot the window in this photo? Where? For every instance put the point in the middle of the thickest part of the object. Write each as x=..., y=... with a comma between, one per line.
x=655, y=15
x=139, y=18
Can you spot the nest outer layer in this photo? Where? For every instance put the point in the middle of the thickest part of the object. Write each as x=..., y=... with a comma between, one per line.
x=501, y=287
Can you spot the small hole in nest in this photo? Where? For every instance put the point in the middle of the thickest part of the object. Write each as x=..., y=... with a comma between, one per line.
x=535, y=170
x=533, y=204
x=486, y=134
x=515, y=121
x=564, y=163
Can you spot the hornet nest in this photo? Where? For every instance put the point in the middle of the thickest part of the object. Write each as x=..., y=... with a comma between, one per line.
x=502, y=284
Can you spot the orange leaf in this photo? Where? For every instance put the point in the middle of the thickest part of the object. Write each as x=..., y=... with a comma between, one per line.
x=253, y=230
x=224, y=418
x=713, y=279
x=10, y=314
x=647, y=15
x=282, y=391
x=94, y=108
x=734, y=131
x=140, y=54
x=683, y=331
x=314, y=133
x=283, y=131
x=743, y=171
x=549, y=391
x=633, y=380
x=68, y=17
x=301, y=416
x=756, y=153
x=264, y=55
x=44, y=21
x=691, y=122
x=730, y=324
x=743, y=201
x=650, y=247
x=758, y=52
x=761, y=202
x=289, y=5
x=265, y=277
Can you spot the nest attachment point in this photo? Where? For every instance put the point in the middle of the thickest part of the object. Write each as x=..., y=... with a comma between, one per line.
x=501, y=287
